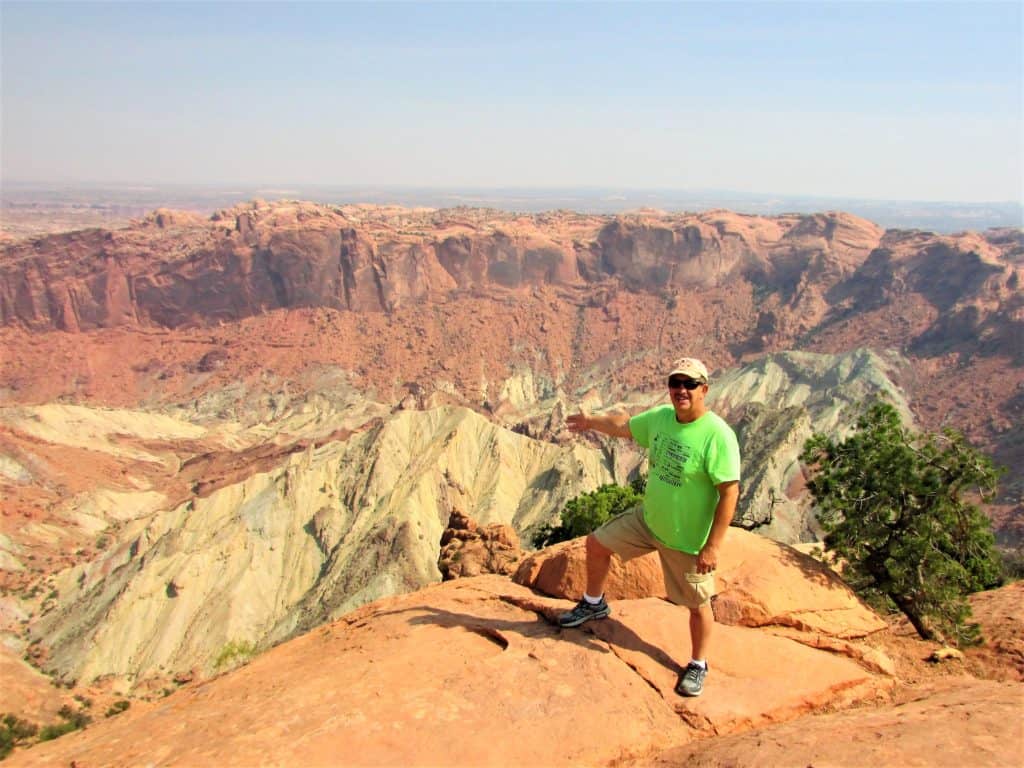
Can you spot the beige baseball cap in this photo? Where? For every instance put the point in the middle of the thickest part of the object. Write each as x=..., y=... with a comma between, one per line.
x=690, y=366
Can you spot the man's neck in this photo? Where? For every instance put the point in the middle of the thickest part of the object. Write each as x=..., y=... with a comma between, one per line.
x=691, y=417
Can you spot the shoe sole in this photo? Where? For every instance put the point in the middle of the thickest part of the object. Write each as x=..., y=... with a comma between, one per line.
x=572, y=624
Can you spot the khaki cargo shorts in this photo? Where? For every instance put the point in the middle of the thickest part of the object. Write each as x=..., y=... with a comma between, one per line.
x=628, y=536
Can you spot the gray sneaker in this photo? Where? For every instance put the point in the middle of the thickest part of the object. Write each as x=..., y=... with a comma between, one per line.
x=584, y=611
x=691, y=680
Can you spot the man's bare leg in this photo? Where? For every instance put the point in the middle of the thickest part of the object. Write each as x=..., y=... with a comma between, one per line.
x=702, y=623
x=599, y=560
x=691, y=679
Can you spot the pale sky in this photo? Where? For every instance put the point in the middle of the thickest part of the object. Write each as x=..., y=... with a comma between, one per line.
x=887, y=100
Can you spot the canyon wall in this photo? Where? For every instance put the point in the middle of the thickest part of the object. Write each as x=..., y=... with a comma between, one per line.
x=219, y=433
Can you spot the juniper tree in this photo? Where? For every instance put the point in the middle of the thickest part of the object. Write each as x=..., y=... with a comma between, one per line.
x=897, y=509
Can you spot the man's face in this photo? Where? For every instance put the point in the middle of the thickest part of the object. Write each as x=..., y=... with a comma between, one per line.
x=687, y=397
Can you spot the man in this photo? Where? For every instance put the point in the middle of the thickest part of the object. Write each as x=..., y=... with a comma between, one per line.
x=690, y=500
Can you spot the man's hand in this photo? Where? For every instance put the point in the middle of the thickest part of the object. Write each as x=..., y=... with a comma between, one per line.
x=707, y=560
x=728, y=495
x=614, y=423
x=578, y=422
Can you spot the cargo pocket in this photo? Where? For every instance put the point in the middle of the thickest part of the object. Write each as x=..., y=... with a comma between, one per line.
x=703, y=584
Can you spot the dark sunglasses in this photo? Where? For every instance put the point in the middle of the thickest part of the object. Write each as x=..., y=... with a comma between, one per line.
x=677, y=382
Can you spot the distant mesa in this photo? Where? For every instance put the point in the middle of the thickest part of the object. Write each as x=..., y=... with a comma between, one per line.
x=175, y=268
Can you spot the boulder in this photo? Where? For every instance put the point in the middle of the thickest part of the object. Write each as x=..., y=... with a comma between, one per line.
x=561, y=571
x=759, y=582
x=469, y=550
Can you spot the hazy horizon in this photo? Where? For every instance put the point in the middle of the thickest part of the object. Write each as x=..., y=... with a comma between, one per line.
x=532, y=191
x=116, y=202
x=920, y=102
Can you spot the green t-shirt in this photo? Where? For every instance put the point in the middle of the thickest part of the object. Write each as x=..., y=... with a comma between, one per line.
x=687, y=462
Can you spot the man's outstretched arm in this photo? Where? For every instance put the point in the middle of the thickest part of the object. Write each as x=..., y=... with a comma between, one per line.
x=615, y=424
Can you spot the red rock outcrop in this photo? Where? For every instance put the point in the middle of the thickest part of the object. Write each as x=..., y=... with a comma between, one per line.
x=759, y=583
x=470, y=550
x=453, y=674
x=1000, y=613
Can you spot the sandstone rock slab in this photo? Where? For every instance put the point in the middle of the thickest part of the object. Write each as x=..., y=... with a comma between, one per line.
x=760, y=583
x=968, y=723
x=25, y=692
x=469, y=672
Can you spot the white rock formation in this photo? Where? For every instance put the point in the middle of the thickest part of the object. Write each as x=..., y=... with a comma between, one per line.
x=776, y=403
x=278, y=553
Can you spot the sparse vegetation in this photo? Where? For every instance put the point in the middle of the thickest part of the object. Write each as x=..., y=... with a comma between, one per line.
x=72, y=721
x=13, y=732
x=235, y=653
x=895, y=506
x=55, y=731
x=118, y=707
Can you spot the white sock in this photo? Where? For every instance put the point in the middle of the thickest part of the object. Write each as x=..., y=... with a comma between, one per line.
x=702, y=663
x=593, y=600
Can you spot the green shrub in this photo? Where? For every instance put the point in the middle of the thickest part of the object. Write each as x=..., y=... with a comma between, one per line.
x=12, y=731
x=55, y=731
x=235, y=653
x=584, y=513
x=118, y=707
x=72, y=722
